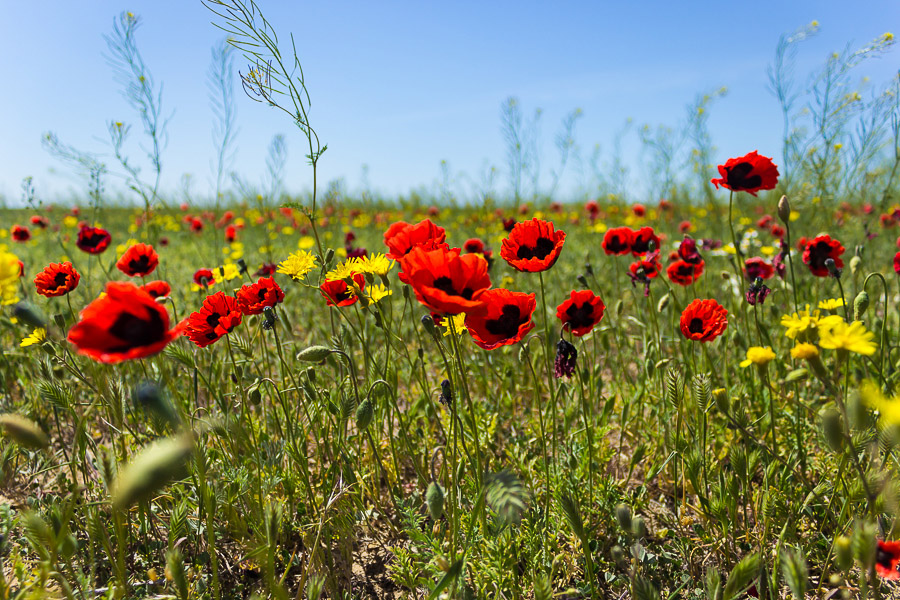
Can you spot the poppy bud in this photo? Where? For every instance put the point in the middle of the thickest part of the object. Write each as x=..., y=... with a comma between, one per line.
x=832, y=268
x=864, y=545
x=855, y=263
x=150, y=397
x=639, y=527
x=446, y=393
x=242, y=266
x=723, y=402
x=843, y=553
x=364, y=414
x=434, y=498
x=22, y=431
x=255, y=396
x=860, y=304
x=784, y=210
x=152, y=468
x=60, y=320
x=663, y=303
x=29, y=314
x=582, y=281
x=329, y=255
x=831, y=428
x=314, y=354
x=619, y=307
x=623, y=517
x=428, y=324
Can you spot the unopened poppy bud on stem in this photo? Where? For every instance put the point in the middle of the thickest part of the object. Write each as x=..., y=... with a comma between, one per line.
x=860, y=305
x=364, y=414
x=784, y=210
x=314, y=354
x=434, y=498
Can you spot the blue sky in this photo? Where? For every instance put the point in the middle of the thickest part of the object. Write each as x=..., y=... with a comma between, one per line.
x=401, y=86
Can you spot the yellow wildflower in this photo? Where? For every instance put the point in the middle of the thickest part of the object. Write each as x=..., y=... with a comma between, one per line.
x=459, y=324
x=228, y=272
x=800, y=322
x=377, y=264
x=377, y=291
x=9, y=277
x=853, y=338
x=831, y=303
x=757, y=355
x=888, y=408
x=804, y=351
x=37, y=336
x=297, y=265
x=345, y=270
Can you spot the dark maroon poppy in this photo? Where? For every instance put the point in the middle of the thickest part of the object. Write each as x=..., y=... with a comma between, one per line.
x=757, y=267
x=687, y=251
x=266, y=270
x=20, y=233
x=819, y=250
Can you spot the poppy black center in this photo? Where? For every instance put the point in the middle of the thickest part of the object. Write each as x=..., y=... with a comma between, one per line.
x=696, y=325
x=819, y=253
x=617, y=244
x=508, y=323
x=61, y=279
x=213, y=319
x=739, y=177
x=136, y=331
x=884, y=558
x=445, y=284
x=542, y=248
x=92, y=240
x=261, y=295
x=139, y=265
x=580, y=316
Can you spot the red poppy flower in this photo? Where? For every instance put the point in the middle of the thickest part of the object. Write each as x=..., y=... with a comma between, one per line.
x=474, y=246
x=618, y=240
x=592, y=208
x=230, y=233
x=206, y=274
x=820, y=249
x=402, y=237
x=581, y=312
x=338, y=293
x=757, y=267
x=20, y=233
x=648, y=267
x=703, y=320
x=684, y=226
x=639, y=210
x=684, y=273
x=125, y=324
x=445, y=282
x=57, y=279
x=533, y=246
x=777, y=231
x=157, y=289
x=196, y=225
x=266, y=270
x=93, y=240
x=138, y=261
x=219, y=314
x=253, y=298
x=887, y=558
x=508, y=224
x=642, y=240
x=505, y=321
x=687, y=251
x=750, y=173
x=40, y=221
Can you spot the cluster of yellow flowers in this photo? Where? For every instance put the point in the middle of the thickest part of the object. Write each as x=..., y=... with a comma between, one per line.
x=376, y=264
x=9, y=276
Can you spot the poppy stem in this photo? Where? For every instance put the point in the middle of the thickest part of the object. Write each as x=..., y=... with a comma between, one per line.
x=465, y=385
x=883, y=320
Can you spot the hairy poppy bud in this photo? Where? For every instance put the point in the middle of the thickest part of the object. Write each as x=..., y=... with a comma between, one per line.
x=329, y=255
x=784, y=210
x=582, y=281
x=151, y=469
x=434, y=498
x=832, y=428
x=723, y=402
x=149, y=396
x=623, y=517
x=639, y=527
x=832, y=268
x=428, y=324
x=22, y=431
x=29, y=314
x=364, y=414
x=314, y=354
x=855, y=263
x=843, y=553
x=860, y=305
x=242, y=266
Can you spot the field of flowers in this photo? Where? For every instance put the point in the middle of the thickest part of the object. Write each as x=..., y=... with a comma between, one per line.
x=334, y=397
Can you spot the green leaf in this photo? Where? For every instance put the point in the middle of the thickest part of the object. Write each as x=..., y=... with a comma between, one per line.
x=449, y=577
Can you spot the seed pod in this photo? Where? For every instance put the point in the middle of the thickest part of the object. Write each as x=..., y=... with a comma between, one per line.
x=797, y=375
x=623, y=517
x=364, y=414
x=860, y=305
x=314, y=354
x=151, y=469
x=434, y=498
x=663, y=303
x=832, y=428
x=22, y=431
x=784, y=210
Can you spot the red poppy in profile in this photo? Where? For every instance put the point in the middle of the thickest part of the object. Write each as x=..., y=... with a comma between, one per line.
x=57, y=279
x=648, y=266
x=643, y=239
x=688, y=252
x=618, y=240
x=138, y=261
x=887, y=558
x=230, y=234
x=581, y=312
x=684, y=273
x=703, y=320
x=125, y=324
x=206, y=274
x=445, y=282
x=219, y=314
x=757, y=267
x=93, y=240
x=820, y=249
x=749, y=173
x=20, y=233
x=254, y=298
x=157, y=289
x=401, y=237
x=338, y=293
x=505, y=321
x=533, y=246
x=474, y=246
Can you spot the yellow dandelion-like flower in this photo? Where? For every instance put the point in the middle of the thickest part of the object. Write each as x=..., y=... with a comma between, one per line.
x=800, y=322
x=853, y=337
x=831, y=303
x=459, y=324
x=888, y=408
x=345, y=270
x=377, y=264
x=297, y=265
x=37, y=336
x=228, y=272
x=758, y=355
x=377, y=291
x=804, y=351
